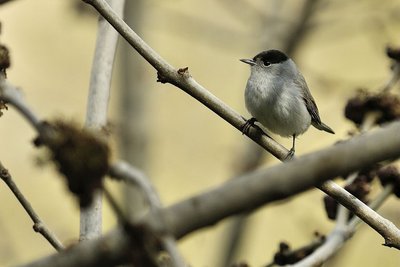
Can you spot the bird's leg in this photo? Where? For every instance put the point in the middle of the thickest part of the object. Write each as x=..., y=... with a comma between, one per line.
x=249, y=123
x=292, y=150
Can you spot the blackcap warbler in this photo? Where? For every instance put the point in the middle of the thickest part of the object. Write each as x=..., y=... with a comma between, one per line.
x=277, y=96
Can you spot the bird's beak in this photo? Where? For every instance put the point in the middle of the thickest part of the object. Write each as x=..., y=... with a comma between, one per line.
x=248, y=61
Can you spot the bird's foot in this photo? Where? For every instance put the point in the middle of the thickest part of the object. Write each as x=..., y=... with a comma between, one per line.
x=290, y=155
x=249, y=123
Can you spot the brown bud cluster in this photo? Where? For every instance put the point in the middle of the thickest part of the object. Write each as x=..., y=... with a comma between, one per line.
x=286, y=255
x=360, y=188
x=386, y=104
x=79, y=155
x=390, y=174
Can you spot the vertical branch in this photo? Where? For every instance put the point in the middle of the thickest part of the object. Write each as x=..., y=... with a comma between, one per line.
x=96, y=116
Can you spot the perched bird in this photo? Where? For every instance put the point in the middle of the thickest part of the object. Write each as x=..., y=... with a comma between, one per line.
x=277, y=96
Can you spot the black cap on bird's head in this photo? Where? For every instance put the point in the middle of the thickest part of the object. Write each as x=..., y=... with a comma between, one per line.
x=268, y=57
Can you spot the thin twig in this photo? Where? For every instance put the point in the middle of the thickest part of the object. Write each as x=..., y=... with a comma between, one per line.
x=39, y=226
x=11, y=94
x=384, y=227
x=340, y=235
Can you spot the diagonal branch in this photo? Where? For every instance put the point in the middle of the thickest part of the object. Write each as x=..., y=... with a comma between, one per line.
x=39, y=226
x=339, y=235
x=182, y=79
x=265, y=185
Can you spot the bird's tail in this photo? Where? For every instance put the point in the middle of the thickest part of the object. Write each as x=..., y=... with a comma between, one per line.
x=323, y=127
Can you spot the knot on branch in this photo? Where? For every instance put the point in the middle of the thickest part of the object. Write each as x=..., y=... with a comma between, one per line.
x=386, y=104
x=390, y=175
x=161, y=78
x=79, y=155
x=184, y=72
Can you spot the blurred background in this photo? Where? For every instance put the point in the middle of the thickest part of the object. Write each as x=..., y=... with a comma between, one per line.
x=182, y=146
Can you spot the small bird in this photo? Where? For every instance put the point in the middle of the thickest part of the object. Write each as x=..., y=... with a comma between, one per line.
x=277, y=96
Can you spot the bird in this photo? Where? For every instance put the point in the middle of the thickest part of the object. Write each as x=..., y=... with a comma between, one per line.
x=277, y=96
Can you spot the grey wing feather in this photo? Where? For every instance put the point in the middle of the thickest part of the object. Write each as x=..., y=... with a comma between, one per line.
x=312, y=106
x=308, y=100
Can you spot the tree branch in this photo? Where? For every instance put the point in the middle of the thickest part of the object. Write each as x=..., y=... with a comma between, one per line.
x=39, y=226
x=123, y=171
x=384, y=227
x=265, y=185
x=97, y=105
x=340, y=235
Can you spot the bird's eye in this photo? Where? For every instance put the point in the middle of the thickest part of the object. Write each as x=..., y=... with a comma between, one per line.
x=266, y=63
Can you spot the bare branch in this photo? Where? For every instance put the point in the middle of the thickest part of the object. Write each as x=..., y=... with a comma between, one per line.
x=340, y=235
x=182, y=79
x=384, y=227
x=123, y=171
x=96, y=116
x=109, y=250
x=266, y=185
x=39, y=226
x=11, y=94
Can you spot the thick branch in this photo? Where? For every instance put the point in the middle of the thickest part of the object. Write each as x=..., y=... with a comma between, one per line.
x=281, y=181
x=245, y=193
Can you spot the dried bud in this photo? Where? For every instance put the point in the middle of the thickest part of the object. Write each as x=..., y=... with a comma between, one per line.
x=80, y=156
x=331, y=207
x=390, y=174
x=386, y=104
x=286, y=255
x=4, y=59
x=393, y=53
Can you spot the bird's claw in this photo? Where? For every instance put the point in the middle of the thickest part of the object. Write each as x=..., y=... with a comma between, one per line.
x=290, y=155
x=248, y=124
